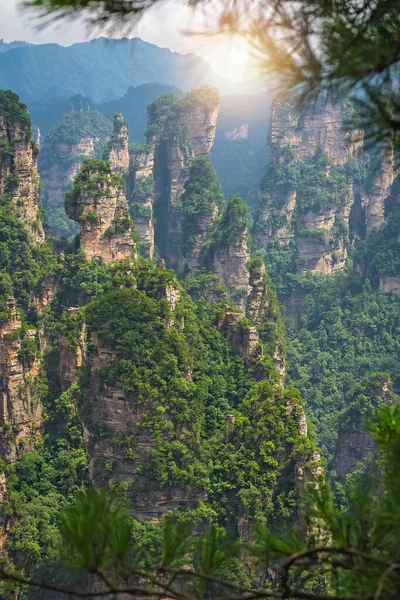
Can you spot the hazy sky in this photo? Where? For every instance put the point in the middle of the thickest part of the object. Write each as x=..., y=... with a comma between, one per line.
x=18, y=23
x=164, y=26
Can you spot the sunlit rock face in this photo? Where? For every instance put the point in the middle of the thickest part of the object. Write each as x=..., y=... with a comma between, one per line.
x=98, y=203
x=230, y=263
x=307, y=130
x=294, y=137
x=322, y=233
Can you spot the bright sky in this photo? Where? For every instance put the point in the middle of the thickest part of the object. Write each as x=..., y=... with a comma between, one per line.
x=166, y=26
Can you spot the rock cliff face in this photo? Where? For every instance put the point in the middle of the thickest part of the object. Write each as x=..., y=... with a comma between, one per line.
x=304, y=132
x=390, y=283
x=72, y=348
x=228, y=251
x=189, y=261
x=141, y=186
x=97, y=201
x=312, y=185
x=124, y=444
x=373, y=198
x=257, y=299
x=242, y=335
x=19, y=177
x=119, y=435
x=117, y=152
x=230, y=263
x=308, y=212
x=309, y=469
x=177, y=132
x=355, y=444
x=20, y=405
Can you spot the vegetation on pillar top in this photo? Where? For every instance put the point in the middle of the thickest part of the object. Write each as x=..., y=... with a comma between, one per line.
x=78, y=124
x=13, y=110
x=157, y=113
x=120, y=135
x=206, y=96
x=93, y=178
x=233, y=226
x=163, y=112
x=319, y=184
x=364, y=401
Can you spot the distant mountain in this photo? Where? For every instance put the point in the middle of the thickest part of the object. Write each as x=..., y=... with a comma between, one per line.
x=133, y=106
x=5, y=47
x=101, y=69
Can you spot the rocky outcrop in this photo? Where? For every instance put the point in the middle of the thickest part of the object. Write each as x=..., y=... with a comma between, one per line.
x=353, y=449
x=241, y=333
x=231, y=253
x=189, y=261
x=72, y=347
x=374, y=196
x=320, y=233
x=117, y=152
x=319, y=247
x=230, y=263
x=172, y=295
x=177, y=132
x=198, y=208
x=141, y=198
x=19, y=178
x=196, y=119
x=390, y=283
x=257, y=300
x=302, y=132
x=45, y=294
x=119, y=435
x=198, y=113
x=97, y=201
x=20, y=406
x=355, y=445
x=316, y=213
x=308, y=469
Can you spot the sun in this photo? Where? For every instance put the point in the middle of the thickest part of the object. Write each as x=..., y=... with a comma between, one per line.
x=231, y=57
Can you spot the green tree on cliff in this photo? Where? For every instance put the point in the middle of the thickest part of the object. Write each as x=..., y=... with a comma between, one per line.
x=353, y=553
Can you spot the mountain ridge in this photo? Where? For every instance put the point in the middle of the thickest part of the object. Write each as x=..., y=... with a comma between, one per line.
x=94, y=68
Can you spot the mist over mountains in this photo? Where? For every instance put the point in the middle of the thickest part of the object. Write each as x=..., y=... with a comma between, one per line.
x=102, y=69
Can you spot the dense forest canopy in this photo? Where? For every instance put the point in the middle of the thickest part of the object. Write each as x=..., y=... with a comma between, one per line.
x=164, y=418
